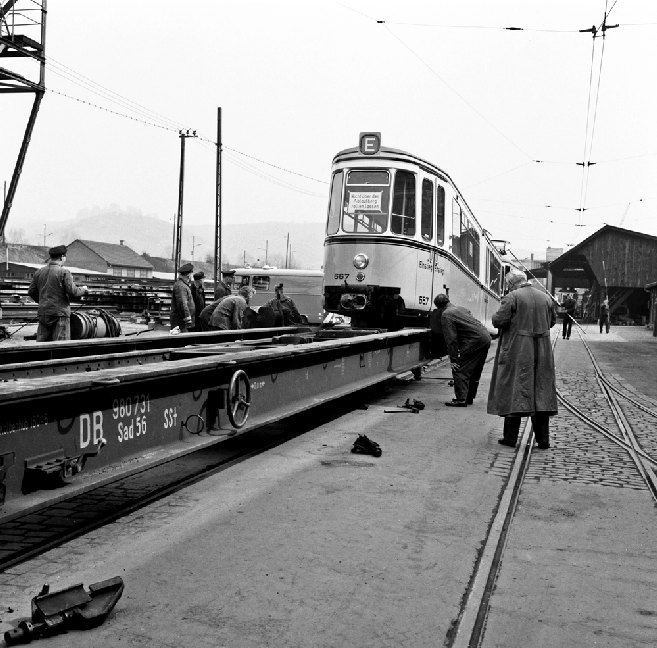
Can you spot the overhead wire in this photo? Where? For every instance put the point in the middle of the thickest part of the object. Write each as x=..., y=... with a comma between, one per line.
x=456, y=92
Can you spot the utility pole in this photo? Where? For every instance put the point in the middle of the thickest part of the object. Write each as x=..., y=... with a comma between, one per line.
x=287, y=247
x=217, y=226
x=181, y=184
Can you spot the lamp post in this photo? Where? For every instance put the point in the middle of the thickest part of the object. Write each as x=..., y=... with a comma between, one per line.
x=194, y=246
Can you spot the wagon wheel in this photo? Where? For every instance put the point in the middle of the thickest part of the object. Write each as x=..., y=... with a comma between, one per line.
x=239, y=399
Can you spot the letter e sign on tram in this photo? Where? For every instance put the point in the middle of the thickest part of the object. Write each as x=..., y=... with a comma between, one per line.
x=369, y=143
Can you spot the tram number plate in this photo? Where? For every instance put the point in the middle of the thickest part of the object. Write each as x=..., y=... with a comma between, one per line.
x=130, y=414
x=422, y=300
x=340, y=276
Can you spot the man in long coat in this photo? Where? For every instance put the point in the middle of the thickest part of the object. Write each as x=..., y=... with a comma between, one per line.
x=198, y=295
x=183, y=311
x=467, y=343
x=523, y=381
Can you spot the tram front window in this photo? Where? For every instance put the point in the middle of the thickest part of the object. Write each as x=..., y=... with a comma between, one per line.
x=366, y=200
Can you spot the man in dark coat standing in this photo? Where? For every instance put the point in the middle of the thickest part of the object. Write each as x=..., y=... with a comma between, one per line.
x=467, y=343
x=198, y=295
x=523, y=381
x=182, y=303
x=52, y=287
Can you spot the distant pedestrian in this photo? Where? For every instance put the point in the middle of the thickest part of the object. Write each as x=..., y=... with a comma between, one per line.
x=569, y=305
x=229, y=313
x=198, y=295
x=523, y=381
x=467, y=343
x=285, y=310
x=52, y=287
x=604, y=315
x=182, y=303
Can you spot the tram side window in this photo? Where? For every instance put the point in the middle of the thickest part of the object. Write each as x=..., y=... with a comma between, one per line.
x=494, y=278
x=333, y=222
x=456, y=229
x=473, y=252
x=403, y=204
x=366, y=200
x=465, y=239
x=469, y=252
x=426, y=224
x=260, y=283
x=440, y=215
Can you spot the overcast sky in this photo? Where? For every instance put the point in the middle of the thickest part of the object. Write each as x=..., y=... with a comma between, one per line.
x=298, y=80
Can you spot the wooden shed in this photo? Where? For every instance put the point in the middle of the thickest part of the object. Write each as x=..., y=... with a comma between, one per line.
x=615, y=263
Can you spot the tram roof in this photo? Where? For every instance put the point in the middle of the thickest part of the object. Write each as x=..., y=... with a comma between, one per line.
x=393, y=153
x=386, y=152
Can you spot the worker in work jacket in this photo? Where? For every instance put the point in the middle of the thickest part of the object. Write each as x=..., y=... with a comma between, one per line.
x=285, y=310
x=523, y=381
x=467, y=343
x=183, y=310
x=52, y=287
x=229, y=313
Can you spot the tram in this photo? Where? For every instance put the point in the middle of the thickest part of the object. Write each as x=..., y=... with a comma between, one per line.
x=398, y=233
x=304, y=287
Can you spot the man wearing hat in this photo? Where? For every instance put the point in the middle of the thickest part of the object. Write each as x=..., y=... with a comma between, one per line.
x=198, y=295
x=183, y=311
x=467, y=343
x=52, y=287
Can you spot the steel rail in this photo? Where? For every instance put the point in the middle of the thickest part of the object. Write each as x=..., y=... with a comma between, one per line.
x=634, y=449
x=468, y=630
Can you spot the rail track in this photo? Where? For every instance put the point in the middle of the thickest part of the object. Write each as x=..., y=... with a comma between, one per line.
x=640, y=443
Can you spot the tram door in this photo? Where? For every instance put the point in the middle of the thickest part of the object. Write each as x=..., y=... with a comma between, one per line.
x=426, y=254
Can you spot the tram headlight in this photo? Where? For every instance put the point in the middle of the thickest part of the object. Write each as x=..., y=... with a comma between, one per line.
x=361, y=261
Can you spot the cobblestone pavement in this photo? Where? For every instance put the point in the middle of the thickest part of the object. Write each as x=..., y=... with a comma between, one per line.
x=582, y=455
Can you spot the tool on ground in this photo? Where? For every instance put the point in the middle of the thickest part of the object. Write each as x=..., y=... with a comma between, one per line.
x=73, y=608
x=363, y=445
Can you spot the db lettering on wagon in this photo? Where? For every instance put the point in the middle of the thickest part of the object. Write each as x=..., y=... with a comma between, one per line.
x=130, y=414
x=91, y=429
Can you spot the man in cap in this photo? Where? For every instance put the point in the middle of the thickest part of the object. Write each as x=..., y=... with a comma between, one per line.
x=523, y=382
x=285, y=310
x=52, y=287
x=229, y=313
x=467, y=342
x=198, y=295
x=182, y=303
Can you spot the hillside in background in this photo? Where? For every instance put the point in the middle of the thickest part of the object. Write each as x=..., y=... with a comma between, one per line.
x=155, y=237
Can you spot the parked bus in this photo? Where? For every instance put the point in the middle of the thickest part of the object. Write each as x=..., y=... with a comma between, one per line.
x=304, y=287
